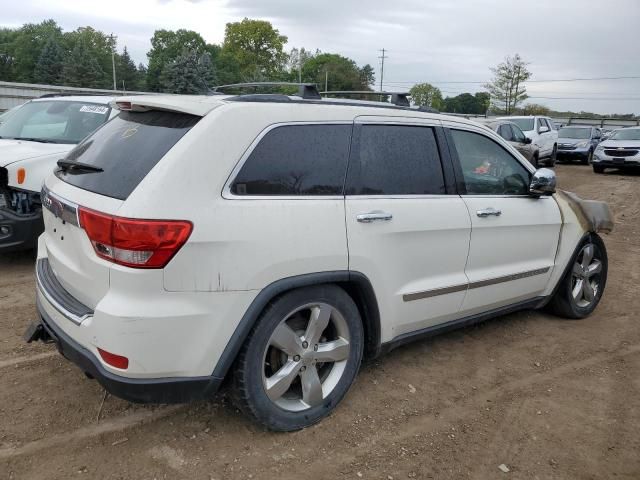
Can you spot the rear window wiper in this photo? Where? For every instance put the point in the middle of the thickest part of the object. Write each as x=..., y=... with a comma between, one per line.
x=78, y=167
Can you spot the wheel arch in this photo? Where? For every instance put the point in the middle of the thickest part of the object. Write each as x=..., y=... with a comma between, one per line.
x=357, y=286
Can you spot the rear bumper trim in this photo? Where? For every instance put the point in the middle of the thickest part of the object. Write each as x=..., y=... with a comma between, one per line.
x=138, y=390
x=57, y=296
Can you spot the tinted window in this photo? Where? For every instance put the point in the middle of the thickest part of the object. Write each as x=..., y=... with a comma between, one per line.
x=126, y=148
x=297, y=160
x=505, y=132
x=518, y=136
x=487, y=168
x=396, y=160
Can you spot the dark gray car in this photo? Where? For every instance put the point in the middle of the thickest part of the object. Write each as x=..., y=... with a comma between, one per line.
x=512, y=134
x=578, y=143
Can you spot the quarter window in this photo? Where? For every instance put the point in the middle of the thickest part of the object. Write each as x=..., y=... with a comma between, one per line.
x=396, y=160
x=487, y=168
x=297, y=160
x=505, y=132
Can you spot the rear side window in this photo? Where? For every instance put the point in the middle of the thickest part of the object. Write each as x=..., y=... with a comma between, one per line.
x=296, y=160
x=396, y=160
x=126, y=149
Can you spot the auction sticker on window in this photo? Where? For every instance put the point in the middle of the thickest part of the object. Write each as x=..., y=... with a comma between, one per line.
x=94, y=109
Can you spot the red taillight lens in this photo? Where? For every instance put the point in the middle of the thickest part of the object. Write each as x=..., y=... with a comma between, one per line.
x=114, y=360
x=134, y=242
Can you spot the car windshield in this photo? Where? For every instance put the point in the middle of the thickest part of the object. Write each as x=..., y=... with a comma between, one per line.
x=55, y=121
x=626, y=134
x=525, y=124
x=578, y=133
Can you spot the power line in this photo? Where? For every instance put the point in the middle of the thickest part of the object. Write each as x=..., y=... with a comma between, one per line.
x=528, y=81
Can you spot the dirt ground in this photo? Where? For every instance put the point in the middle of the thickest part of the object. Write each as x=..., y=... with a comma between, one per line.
x=548, y=398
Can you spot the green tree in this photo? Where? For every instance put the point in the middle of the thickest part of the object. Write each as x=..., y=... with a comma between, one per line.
x=99, y=46
x=142, y=78
x=477, y=104
x=7, y=57
x=81, y=68
x=535, y=109
x=341, y=73
x=126, y=72
x=48, y=70
x=190, y=73
x=426, y=95
x=256, y=47
x=367, y=76
x=167, y=46
x=27, y=47
x=507, y=88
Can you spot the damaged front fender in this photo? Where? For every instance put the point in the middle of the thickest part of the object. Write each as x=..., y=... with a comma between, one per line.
x=592, y=215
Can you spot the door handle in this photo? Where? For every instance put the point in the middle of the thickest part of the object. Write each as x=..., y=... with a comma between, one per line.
x=486, y=212
x=373, y=217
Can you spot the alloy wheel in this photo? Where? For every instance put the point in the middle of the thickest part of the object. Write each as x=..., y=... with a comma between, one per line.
x=306, y=357
x=587, y=269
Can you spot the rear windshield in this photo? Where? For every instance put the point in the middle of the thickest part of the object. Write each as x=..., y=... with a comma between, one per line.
x=126, y=149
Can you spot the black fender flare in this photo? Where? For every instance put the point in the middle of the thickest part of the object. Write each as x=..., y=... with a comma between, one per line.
x=356, y=284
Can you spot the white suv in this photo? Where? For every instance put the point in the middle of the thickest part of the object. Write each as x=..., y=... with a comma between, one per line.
x=276, y=241
x=543, y=135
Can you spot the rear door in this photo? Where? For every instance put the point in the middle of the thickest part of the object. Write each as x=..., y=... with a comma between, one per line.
x=407, y=232
x=514, y=236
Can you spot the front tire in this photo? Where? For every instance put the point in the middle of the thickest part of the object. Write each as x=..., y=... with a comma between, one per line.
x=300, y=359
x=581, y=289
x=587, y=160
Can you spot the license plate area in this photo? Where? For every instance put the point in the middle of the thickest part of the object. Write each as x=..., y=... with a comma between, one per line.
x=618, y=160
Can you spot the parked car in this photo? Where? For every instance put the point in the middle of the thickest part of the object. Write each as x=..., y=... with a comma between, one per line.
x=621, y=150
x=32, y=138
x=516, y=138
x=543, y=134
x=578, y=143
x=274, y=241
x=7, y=113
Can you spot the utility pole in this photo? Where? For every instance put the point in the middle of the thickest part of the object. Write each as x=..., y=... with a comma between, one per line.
x=113, y=60
x=326, y=80
x=300, y=66
x=382, y=58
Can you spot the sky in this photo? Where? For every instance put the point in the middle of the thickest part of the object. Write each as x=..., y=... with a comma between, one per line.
x=449, y=43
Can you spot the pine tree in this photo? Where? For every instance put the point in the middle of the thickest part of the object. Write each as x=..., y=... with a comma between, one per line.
x=48, y=69
x=126, y=72
x=81, y=69
x=190, y=73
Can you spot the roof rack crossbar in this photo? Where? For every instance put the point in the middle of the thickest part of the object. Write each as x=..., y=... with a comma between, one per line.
x=400, y=99
x=308, y=91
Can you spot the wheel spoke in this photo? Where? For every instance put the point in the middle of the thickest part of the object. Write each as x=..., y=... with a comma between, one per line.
x=278, y=383
x=311, y=387
x=286, y=340
x=318, y=321
x=577, y=269
x=577, y=289
x=594, y=268
x=334, y=351
x=588, y=291
x=587, y=255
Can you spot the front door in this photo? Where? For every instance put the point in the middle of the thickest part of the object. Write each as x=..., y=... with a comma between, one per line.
x=514, y=235
x=406, y=232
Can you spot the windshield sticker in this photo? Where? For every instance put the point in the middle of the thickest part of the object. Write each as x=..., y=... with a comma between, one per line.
x=94, y=109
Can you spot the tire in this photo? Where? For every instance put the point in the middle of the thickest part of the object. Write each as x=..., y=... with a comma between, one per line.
x=598, y=169
x=535, y=160
x=586, y=270
x=554, y=156
x=286, y=391
x=588, y=159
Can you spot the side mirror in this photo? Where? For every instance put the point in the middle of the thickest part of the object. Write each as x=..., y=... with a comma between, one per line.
x=543, y=182
x=526, y=140
x=543, y=129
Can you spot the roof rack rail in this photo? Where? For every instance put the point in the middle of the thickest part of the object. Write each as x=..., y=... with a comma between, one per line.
x=308, y=91
x=80, y=94
x=397, y=98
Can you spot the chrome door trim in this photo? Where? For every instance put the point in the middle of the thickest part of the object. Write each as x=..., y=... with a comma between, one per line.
x=409, y=297
x=369, y=217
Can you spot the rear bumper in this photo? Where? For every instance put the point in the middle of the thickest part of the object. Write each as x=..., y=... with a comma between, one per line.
x=139, y=390
x=22, y=231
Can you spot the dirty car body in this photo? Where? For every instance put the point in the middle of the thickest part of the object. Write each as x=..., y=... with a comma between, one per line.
x=311, y=234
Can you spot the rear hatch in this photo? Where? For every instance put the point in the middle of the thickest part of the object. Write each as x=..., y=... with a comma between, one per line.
x=82, y=200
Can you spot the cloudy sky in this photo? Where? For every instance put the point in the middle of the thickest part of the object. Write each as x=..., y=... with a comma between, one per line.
x=448, y=43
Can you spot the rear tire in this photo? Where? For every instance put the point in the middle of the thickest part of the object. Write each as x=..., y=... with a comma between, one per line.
x=598, y=169
x=581, y=289
x=554, y=156
x=300, y=359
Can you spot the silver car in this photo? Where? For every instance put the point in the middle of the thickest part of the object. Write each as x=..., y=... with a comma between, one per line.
x=621, y=150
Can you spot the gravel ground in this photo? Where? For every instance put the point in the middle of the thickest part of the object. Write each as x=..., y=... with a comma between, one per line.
x=524, y=396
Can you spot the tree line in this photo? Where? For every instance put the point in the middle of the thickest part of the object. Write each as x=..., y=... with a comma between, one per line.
x=179, y=61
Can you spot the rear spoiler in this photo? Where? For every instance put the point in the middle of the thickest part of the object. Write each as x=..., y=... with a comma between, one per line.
x=198, y=106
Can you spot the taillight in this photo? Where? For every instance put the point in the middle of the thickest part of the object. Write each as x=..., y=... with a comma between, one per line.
x=114, y=360
x=134, y=242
